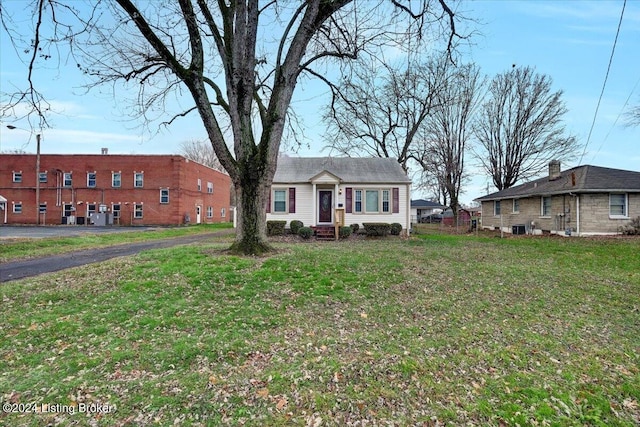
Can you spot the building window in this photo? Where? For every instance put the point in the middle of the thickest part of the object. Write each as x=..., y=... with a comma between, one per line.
x=42, y=177
x=91, y=209
x=223, y=213
x=68, y=209
x=17, y=176
x=516, y=205
x=137, y=210
x=116, y=179
x=545, y=204
x=385, y=201
x=371, y=201
x=199, y=184
x=209, y=211
x=116, y=211
x=138, y=179
x=496, y=207
x=91, y=179
x=67, y=179
x=357, y=201
x=164, y=195
x=618, y=205
x=17, y=208
x=210, y=187
x=280, y=201
x=43, y=208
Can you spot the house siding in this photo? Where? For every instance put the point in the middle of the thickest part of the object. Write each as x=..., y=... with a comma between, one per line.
x=593, y=216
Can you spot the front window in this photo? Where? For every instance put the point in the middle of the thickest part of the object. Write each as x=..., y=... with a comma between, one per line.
x=618, y=205
x=43, y=208
x=357, y=201
x=280, y=201
x=116, y=179
x=91, y=179
x=164, y=195
x=516, y=205
x=17, y=177
x=210, y=187
x=199, y=184
x=546, y=206
x=371, y=200
x=68, y=209
x=138, y=179
x=209, y=211
x=496, y=207
x=67, y=179
x=17, y=208
x=42, y=177
x=91, y=209
x=385, y=201
x=116, y=211
x=137, y=211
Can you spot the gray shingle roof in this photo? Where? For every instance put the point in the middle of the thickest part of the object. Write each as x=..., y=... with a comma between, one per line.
x=348, y=169
x=421, y=203
x=581, y=179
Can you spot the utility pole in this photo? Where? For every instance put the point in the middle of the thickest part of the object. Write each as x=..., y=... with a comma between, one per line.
x=38, y=177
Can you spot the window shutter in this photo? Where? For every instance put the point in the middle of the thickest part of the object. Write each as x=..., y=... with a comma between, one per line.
x=269, y=201
x=396, y=200
x=348, y=199
x=292, y=200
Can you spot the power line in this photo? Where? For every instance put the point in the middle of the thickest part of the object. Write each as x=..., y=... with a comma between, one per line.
x=604, y=84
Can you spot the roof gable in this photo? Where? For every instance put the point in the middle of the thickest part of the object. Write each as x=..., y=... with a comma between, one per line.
x=580, y=179
x=325, y=177
x=351, y=170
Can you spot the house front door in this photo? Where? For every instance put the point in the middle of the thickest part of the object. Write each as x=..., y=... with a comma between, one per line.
x=324, y=206
x=198, y=214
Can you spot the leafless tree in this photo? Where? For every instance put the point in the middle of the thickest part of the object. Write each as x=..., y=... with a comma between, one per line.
x=380, y=111
x=236, y=62
x=633, y=116
x=520, y=128
x=443, y=144
x=202, y=152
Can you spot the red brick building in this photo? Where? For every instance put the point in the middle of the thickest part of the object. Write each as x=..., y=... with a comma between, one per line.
x=123, y=189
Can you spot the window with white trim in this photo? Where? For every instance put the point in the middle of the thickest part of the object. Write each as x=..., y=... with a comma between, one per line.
x=116, y=179
x=137, y=210
x=199, y=184
x=138, y=179
x=17, y=208
x=210, y=187
x=42, y=177
x=618, y=203
x=67, y=179
x=496, y=208
x=357, y=201
x=223, y=213
x=91, y=179
x=372, y=200
x=209, y=211
x=545, y=206
x=385, y=201
x=43, y=208
x=280, y=201
x=115, y=209
x=91, y=209
x=17, y=176
x=516, y=205
x=164, y=195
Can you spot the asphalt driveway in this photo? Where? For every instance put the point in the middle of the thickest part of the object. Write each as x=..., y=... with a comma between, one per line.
x=15, y=270
x=8, y=232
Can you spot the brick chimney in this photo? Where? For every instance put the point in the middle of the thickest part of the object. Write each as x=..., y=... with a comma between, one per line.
x=105, y=151
x=554, y=170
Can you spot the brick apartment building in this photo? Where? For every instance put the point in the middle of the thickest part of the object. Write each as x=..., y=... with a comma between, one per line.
x=123, y=189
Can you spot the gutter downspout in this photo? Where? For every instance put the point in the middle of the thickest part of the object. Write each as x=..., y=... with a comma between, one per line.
x=578, y=214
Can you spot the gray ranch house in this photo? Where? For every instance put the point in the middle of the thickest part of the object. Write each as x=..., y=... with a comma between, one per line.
x=330, y=191
x=581, y=201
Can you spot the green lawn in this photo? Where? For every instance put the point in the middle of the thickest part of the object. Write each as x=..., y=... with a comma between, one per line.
x=434, y=330
x=30, y=248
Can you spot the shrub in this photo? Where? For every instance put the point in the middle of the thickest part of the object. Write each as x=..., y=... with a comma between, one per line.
x=295, y=226
x=396, y=228
x=631, y=229
x=275, y=228
x=355, y=228
x=344, y=232
x=376, y=228
x=305, y=232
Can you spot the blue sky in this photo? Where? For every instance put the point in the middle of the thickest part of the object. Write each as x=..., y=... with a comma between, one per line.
x=571, y=41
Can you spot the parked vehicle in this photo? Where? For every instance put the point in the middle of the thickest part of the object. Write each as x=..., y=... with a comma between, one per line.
x=431, y=219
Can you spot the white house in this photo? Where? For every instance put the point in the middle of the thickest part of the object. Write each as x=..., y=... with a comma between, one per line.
x=315, y=190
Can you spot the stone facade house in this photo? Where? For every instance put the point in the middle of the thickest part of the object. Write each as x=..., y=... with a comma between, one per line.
x=581, y=201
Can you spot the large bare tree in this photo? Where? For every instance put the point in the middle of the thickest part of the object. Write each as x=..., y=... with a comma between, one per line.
x=380, y=111
x=237, y=62
x=520, y=127
x=443, y=141
x=202, y=152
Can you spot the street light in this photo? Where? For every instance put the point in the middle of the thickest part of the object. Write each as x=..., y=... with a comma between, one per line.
x=37, y=171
